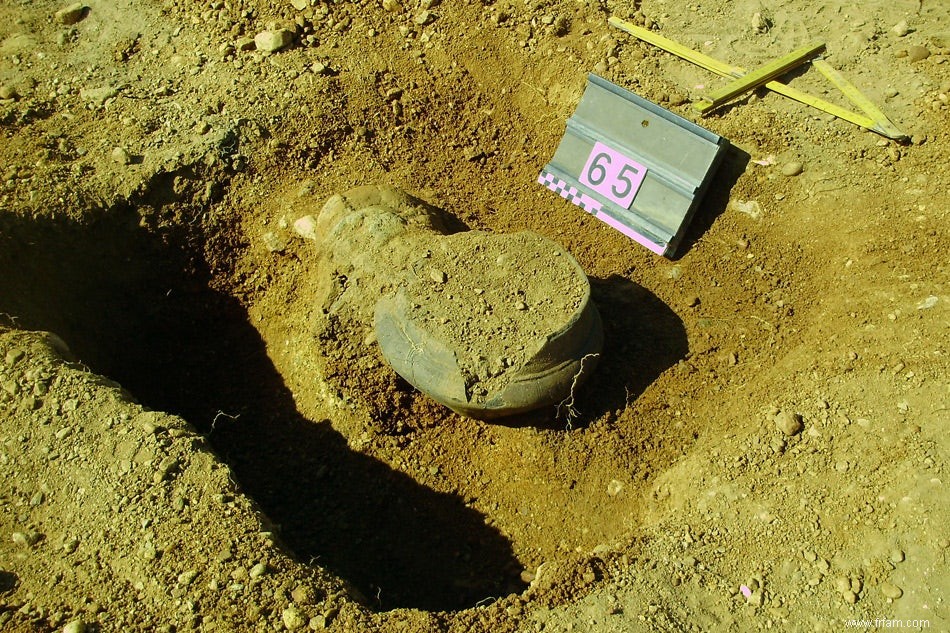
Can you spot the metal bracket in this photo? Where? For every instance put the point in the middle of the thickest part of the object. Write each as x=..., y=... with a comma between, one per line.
x=633, y=165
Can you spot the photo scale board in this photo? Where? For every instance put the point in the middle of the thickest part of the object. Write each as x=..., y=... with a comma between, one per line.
x=635, y=166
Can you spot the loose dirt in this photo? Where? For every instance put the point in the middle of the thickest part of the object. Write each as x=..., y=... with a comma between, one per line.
x=192, y=440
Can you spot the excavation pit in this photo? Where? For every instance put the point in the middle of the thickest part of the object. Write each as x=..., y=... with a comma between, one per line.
x=445, y=514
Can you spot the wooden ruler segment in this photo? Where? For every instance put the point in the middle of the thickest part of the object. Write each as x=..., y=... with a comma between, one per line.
x=757, y=77
x=726, y=70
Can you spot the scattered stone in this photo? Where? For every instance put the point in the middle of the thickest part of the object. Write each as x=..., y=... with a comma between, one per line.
x=788, y=423
x=166, y=468
x=425, y=16
x=187, y=577
x=891, y=591
x=274, y=242
x=292, y=619
x=760, y=24
x=75, y=626
x=98, y=95
x=319, y=68
x=71, y=545
x=392, y=6
x=897, y=555
x=306, y=227
x=843, y=584
x=8, y=92
x=273, y=41
x=318, y=622
x=258, y=570
x=901, y=28
x=917, y=53
x=121, y=156
x=14, y=356
x=300, y=5
x=438, y=276
x=850, y=597
x=26, y=539
x=303, y=595
x=792, y=168
x=244, y=43
x=72, y=14
x=614, y=488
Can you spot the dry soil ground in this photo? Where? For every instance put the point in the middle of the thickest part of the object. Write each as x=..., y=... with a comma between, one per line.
x=763, y=446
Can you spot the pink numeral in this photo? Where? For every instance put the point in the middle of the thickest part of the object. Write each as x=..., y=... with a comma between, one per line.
x=613, y=175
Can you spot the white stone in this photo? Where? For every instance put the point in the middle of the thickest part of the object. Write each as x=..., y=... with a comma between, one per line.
x=273, y=41
x=306, y=227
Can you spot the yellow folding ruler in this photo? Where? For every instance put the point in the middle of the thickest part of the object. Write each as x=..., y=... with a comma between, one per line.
x=872, y=118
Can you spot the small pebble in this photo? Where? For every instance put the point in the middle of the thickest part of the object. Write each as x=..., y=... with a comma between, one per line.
x=897, y=555
x=274, y=242
x=424, y=17
x=850, y=597
x=890, y=93
x=917, y=53
x=244, y=43
x=306, y=227
x=303, y=595
x=292, y=619
x=75, y=626
x=25, y=539
x=792, y=169
x=891, y=591
x=121, y=156
x=71, y=14
x=392, y=6
x=901, y=28
x=788, y=423
x=273, y=41
x=8, y=92
x=438, y=276
x=14, y=356
x=258, y=570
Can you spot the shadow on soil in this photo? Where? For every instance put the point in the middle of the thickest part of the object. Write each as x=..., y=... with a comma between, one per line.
x=643, y=338
x=716, y=200
x=138, y=308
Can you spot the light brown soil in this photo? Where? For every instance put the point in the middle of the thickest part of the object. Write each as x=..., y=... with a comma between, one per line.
x=261, y=467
